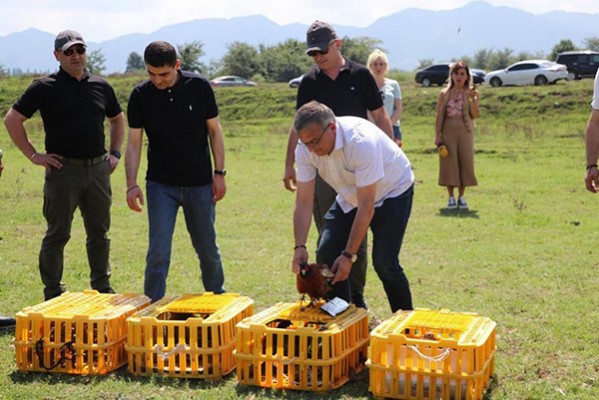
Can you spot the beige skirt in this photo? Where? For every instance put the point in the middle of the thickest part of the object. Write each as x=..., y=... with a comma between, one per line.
x=457, y=169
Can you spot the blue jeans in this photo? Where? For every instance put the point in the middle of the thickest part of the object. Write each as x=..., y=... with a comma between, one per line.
x=388, y=226
x=199, y=210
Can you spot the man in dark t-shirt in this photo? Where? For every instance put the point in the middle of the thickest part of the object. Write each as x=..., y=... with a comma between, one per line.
x=178, y=112
x=348, y=89
x=73, y=105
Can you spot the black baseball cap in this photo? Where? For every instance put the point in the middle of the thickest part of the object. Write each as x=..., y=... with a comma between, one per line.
x=319, y=36
x=66, y=39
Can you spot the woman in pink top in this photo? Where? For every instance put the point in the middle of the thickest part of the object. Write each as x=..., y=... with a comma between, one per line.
x=457, y=107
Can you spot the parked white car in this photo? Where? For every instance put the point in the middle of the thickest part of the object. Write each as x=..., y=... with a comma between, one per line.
x=529, y=72
x=295, y=82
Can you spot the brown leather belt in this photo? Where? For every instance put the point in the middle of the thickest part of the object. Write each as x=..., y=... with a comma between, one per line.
x=86, y=162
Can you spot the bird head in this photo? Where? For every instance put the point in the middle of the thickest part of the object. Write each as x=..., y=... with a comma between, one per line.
x=304, y=269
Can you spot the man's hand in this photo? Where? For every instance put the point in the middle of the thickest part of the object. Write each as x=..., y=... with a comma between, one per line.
x=47, y=161
x=289, y=178
x=592, y=180
x=113, y=161
x=341, y=269
x=219, y=187
x=135, y=198
x=300, y=255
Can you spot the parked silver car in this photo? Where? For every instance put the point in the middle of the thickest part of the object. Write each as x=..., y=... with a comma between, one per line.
x=529, y=72
x=295, y=82
x=231, y=80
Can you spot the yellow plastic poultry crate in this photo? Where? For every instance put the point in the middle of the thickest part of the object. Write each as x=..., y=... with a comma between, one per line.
x=75, y=333
x=187, y=336
x=291, y=346
x=427, y=354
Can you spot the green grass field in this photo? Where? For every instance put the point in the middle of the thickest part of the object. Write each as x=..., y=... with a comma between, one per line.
x=524, y=255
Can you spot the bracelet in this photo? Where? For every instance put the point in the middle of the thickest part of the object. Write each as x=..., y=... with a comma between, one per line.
x=299, y=246
x=131, y=188
x=591, y=166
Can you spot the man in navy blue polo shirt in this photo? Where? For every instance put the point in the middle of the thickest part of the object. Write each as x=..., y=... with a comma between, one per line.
x=73, y=105
x=178, y=111
x=348, y=89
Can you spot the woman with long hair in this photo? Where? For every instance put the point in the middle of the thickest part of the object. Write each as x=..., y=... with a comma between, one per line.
x=457, y=107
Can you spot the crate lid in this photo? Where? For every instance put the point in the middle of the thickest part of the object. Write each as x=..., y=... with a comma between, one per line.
x=88, y=303
x=467, y=328
x=200, y=303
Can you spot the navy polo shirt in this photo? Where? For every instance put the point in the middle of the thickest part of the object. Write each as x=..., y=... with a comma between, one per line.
x=352, y=93
x=73, y=112
x=174, y=120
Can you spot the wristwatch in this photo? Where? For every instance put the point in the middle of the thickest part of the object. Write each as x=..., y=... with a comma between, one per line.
x=222, y=172
x=115, y=153
x=347, y=254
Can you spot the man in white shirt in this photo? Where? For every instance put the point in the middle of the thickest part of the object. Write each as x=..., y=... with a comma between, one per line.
x=592, y=142
x=374, y=181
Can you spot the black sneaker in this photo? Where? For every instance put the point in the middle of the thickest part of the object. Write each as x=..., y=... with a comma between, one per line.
x=7, y=322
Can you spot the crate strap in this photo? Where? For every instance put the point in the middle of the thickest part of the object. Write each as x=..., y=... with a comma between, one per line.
x=438, y=358
x=66, y=347
x=177, y=349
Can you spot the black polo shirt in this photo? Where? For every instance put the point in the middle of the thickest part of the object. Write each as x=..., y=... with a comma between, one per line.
x=174, y=120
x=353, y=92
x=72, y=111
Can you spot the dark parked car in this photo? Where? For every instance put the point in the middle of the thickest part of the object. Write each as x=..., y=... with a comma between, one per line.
x=580, y=64
x=438, y=73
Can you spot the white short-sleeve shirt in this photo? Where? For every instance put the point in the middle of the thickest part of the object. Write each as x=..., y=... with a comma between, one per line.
x=595, y=103
x=363, y=155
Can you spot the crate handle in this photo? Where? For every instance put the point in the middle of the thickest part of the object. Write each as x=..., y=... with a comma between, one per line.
x=438, y=358
x=177, y=349
x=66, y=347
x=286, y=362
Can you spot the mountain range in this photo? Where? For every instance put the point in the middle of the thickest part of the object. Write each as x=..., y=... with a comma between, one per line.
x=407, y=36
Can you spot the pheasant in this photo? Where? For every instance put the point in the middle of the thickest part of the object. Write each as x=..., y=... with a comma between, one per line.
x=313, y=280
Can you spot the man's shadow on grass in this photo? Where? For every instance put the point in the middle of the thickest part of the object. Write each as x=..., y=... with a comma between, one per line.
x=458, y=213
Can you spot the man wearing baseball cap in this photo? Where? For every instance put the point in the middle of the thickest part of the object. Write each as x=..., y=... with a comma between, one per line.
x=73, y=105
x=348, y=89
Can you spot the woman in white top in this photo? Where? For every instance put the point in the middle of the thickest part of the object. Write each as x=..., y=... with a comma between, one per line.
x=378, y=64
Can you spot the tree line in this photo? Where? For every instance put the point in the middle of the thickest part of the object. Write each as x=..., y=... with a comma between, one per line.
x=277, y=63
x=286, y=60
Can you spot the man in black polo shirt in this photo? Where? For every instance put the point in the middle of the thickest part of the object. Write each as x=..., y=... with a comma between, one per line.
x=73, y=105
x=348, y=89
x=178, y=111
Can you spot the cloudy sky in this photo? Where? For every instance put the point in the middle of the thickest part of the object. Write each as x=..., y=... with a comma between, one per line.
x=105, y=19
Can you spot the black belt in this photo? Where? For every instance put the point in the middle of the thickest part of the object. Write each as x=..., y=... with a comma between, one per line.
x=86, y=162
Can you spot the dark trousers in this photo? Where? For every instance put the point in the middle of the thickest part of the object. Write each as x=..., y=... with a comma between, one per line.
x=324, y=197
x=65, y=190
x=388, y=227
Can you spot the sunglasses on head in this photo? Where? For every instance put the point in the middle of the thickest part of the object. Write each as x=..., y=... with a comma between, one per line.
x=69, y=52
